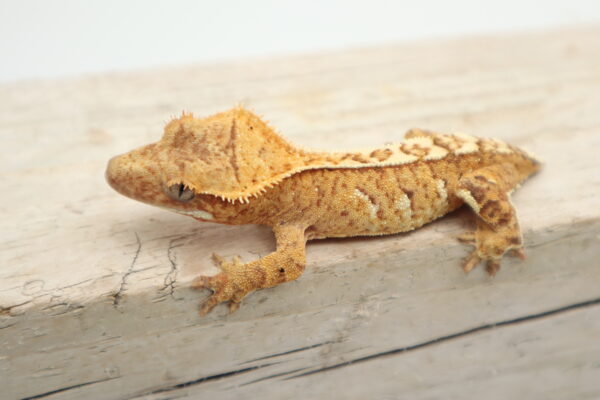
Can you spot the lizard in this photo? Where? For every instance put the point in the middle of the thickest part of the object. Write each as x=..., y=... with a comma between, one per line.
x=233, y=168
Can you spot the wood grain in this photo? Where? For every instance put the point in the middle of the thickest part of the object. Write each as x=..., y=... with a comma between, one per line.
x=93, y=286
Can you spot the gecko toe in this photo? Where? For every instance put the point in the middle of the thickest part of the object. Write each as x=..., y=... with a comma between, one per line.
x=217, y=259
x=520, y=253
x=492, y=267
x=206, y=282
x=208, y=305
x=467, y=237
x=471, y=262
x=200, y=282
x=218, y=284
x=233, y=306
x=224, y=264
x=224, y=288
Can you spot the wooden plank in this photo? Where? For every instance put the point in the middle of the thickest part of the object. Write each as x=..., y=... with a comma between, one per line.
x=93, y=287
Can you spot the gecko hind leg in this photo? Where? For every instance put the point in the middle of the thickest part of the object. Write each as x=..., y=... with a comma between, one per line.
x=236, y=280
x=486, y=192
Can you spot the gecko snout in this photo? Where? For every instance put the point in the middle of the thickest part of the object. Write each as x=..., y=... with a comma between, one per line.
x=124, y=175
x=135, y=176
x=113, y=171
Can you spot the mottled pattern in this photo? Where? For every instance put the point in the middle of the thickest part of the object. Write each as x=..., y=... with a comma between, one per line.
x=232, y=168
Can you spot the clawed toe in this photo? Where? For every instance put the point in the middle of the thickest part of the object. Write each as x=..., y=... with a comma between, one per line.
x=217, y=259
x=467, y=237
x=200, y=282
x=222, y=263
x=208, y=305
x=223, y=286
x=520, y=253
x=233, y=306
x=215, y=283
x=219, y=297
x=492, y=267
x=471, y=262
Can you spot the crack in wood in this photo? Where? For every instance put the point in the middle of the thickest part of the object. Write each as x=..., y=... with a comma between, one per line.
x=290, y=351
x=68, y=307
x=452, y=336
x=61, y=390
x=117, y=296
x=171, y=277
x=264, y=378
x=205, y=379
x=6, y=310
x=552, y=241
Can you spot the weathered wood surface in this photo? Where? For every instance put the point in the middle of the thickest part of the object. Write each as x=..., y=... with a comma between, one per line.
x=93, y=286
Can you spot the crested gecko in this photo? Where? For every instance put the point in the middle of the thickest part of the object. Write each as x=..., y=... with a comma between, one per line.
x=232, y=168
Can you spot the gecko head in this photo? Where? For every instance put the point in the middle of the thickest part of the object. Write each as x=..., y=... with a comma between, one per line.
x=140, y=175
x=228, y=156
x=163, y=173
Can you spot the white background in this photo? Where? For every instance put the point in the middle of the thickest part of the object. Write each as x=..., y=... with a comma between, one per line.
x=41, y=39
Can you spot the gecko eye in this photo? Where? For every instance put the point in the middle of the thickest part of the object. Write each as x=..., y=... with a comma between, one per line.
x=180, y=192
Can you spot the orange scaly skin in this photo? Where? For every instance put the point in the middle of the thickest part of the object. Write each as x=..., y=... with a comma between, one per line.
x=232, y=168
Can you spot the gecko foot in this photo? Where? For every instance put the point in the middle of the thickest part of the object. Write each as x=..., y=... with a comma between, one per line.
x=492, y=265
x=223, y=285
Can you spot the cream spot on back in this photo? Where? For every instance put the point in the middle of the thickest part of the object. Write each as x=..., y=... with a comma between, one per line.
x=503, y=148
x=465, y=137
x=496, y=146
x=421, y=141
x=468, y=198
x=432, y=152
x=399, y=157
x=420, y=146
x=440, y=185
x=467, y=148
x=465, y=144
x=403, y=204
x=436, y=153
x=373, y=208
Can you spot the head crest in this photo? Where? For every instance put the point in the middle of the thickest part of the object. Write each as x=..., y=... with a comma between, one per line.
x=233, y=155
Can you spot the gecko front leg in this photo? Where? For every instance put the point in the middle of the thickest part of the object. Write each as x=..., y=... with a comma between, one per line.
x=236, y=280
x=486, y=191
